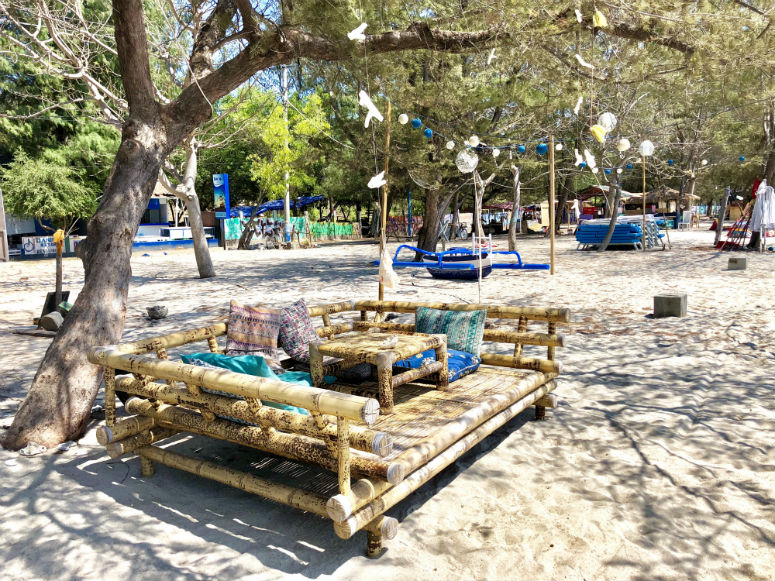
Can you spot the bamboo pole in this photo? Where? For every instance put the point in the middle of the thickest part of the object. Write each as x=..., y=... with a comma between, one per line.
x=109, y=375
x=134, y=443
x=542, y=365
x=414, y=457
x=340, y=506
x=293, y=446
x=331, y=308
x=123, y=428
x=551, y=204
x=331, y=330
x=312, y=398
x=383, y=217
x=521, y=328
x=381, y=527
x=361, y=438
x=343, y=454
x=557, y=315
x=424, y=371
x=282, y=493
x=173, y=339
x=417, y=478
x=643, y=224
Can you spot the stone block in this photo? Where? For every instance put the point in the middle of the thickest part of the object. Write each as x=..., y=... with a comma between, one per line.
x=738, y=263
x=673, y=305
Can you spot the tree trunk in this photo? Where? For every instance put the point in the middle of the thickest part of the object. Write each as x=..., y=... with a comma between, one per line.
x=612, y=223
x=517, y=201
x=564, y=192
x=480, y=186
x=201, y=250
x=59, y=401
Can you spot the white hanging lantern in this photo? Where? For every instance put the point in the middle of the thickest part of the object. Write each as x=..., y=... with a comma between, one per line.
x=595, y=170
x=607, y=121
x=646, y=148
x=496, y=152
x=473, y=141
x=466, y=161
x=403, y=118
x=623, y=144
x=704, y=162
x=618, y=170
x=558, y=147
x=450, y=145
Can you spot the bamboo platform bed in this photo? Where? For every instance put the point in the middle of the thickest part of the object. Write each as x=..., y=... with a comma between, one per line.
x=350, y=463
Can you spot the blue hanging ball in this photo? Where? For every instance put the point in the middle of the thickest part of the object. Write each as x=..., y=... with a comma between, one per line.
x=521, y=149
x=607, y=171
x=670, y=162
x=542, y=148
x=428, y=132
x=416, y=123
x=629, y=166
x=742, y=158
x=583, y=164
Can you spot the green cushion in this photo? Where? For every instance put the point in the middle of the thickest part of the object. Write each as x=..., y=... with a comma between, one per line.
x=464, y=329
x=250, y=365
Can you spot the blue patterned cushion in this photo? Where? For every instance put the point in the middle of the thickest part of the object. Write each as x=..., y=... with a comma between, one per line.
x=464, y=329
x=459, y=363
x=297, y=331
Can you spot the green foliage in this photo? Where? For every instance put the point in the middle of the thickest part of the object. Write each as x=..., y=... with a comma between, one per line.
x=46, y=189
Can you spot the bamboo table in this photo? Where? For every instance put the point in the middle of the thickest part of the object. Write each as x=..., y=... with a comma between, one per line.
x=382, y=350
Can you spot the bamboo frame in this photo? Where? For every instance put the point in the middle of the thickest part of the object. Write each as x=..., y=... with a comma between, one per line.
x=314, y=399
x=293, y=446
x=133, y=443
x=123, y=428
x=361, y=438
x=542, y=365
x=436, y=464
x=558, y=315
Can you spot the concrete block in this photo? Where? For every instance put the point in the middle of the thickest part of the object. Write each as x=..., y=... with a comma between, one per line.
x=738, y=263
x=669, y=306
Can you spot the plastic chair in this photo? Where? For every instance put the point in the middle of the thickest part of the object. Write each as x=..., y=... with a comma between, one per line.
x=686, y=220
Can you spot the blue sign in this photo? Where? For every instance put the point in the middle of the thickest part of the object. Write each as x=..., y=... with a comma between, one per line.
x=221, y=192
x=220, y=215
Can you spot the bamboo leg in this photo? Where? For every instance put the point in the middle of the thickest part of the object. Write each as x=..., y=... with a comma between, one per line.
x=146, y=467
x=550, y=350
x=343, y=454
x=110, y=396
x=441, y=356
x=521, y=328
x=315, y=365
x=382, y=527
x=385, y=382
x=540, y=412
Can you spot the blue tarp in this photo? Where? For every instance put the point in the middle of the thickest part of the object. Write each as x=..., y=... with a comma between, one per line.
x=274, y=205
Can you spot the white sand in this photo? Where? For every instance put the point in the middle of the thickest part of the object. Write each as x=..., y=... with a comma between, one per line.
x=658, y=463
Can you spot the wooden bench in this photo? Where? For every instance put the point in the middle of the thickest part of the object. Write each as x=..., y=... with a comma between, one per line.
x=361, y=463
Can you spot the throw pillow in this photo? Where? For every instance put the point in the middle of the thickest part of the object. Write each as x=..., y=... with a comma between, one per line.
x=459, y=363
x=252, y=330
x=464, y=329
x=297, y=331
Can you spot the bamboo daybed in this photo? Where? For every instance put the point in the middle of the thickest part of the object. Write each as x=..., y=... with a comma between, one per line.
x=357, y=463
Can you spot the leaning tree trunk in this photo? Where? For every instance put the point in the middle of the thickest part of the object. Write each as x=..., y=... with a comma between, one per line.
x=480, y=186
x=201, y=249
x=517, y=200
x=59, y=401
x=612, y=223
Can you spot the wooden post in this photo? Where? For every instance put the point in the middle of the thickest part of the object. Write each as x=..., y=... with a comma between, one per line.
x=385, y=381
x=551, y=204
x=643, y=225
x=383, y=217
x=721, y=215
x=343, y=454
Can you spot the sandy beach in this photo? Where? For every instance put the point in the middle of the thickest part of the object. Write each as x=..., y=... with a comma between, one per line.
x=659, y=462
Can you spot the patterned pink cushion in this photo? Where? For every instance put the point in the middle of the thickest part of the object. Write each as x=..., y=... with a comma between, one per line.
x=252, y=330
x=297, y=331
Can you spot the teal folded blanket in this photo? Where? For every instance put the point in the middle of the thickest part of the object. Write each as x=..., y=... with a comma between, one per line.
x=250, y=365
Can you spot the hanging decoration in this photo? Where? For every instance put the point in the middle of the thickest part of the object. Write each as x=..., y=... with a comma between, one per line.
x=357, y=33
x=578, y=16
x=595, y=170
x=742, y=158
x=590, y=159
x=646, y=148
x=579, y=158
x=428, y=132
x=578, y=105
x=704, y=162
x=496, y=152
x=466, y=161
x=670, y=162
x=450, y=145
x=607, y=121
x=416, y=123
x=623, y=144
x=584, y=63
x=365, y=101
x=521, y=149
x=558, y=147
x=542, y=148
x=492, y=57
x=473, y=141
x=607, y=171
x=377, y=181
x=599, y=20
x=629, y=166
x=403, y=118
x=618, y=170
x=598, y=131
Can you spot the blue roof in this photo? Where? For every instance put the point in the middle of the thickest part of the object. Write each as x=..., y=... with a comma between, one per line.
x=274, y=205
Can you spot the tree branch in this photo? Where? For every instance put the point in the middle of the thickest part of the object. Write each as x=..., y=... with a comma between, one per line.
x=132, y=48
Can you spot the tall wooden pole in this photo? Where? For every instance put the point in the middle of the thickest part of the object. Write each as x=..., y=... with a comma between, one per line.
x=643, y=225
x=382, y=240
x=551, y=204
